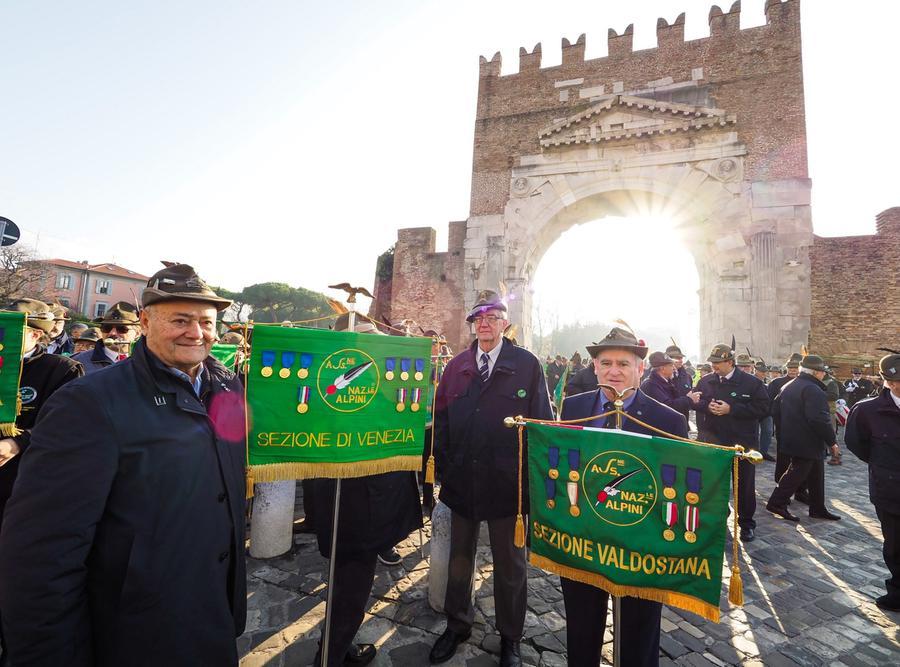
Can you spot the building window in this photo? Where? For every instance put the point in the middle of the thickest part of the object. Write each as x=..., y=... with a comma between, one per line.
x=100, y=309
x=104, y=286
x=63, y=281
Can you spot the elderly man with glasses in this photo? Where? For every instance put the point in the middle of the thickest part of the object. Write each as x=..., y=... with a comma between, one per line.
x=477, y=462
x=119, y=327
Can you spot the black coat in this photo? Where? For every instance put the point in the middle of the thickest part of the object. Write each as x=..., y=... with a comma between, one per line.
x=664, y=391
x=123, y=542
x=801, y=409
x=477, y=456
x=94, y=360
x=749, y=402
x=642, y=407
x=873, y=434
x=62, y=344
x=683, y=381
x=584, y=380
x=377, y=512
x=42, y=374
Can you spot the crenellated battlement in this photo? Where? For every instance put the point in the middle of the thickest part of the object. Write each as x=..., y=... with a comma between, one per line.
x=668, y=36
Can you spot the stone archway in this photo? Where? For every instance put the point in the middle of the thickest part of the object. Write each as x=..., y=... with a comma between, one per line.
x=710, y=132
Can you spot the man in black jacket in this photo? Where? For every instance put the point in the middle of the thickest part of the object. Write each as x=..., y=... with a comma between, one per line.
x=376, y=512
x=123, y=542
x=683, y=379
x=873, y=434
x=733, y=403
x=619, y=362
x=660, y=386
x=477, y=462
x=806, y=432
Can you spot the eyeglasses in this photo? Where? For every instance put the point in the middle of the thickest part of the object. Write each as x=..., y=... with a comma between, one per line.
x=490, y=319
x=118, y=328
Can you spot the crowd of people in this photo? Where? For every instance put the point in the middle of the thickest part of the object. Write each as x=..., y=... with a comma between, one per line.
x=122, y=495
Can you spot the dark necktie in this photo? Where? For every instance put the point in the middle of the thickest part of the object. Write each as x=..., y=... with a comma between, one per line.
x=485, y=369
x=610, y=419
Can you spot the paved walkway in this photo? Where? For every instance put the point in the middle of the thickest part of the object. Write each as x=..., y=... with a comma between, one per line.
x=808, y=600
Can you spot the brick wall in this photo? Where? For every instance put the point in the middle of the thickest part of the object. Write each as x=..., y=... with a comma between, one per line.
x=755, y=73
x=856, y=293
x=426, y=285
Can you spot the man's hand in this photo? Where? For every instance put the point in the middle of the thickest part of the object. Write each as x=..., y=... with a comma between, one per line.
x=719, y=408
x=8, y=449
x=695, y=396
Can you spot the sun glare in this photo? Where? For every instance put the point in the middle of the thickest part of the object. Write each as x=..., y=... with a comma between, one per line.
x=635, y=269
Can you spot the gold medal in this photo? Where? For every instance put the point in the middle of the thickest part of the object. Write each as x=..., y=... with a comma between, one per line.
x=266, y=372
x=389, y=375
x=574, y=476
x=414, y=407
x=303, y=373
x=691, y=497
x=418, y=376
x=284, y=373
x=669, y=534
x=404, y=376
x=574, y=511
x=401, y=407
x=669, y=493
x=690, y=537
x=1, y=346
x=551, y=503
x=553, y=473
x=302, y=408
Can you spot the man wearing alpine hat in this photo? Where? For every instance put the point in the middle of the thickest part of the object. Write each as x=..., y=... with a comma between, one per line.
x=660, y=385
x=806, y=432
x=873, y=434
x=119, y=327
x=60, y=342
x=733, y=403
x=477, y=462
x=123, y=542
x=683, y=379
x=619, y=363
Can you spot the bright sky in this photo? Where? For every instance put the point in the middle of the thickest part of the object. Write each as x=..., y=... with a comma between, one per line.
x=287, y=140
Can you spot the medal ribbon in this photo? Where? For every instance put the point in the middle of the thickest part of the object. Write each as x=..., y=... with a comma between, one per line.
x=668, y=472
x=287, y=359
x=670, y=514
x=405, y=364
x=692, y=479
x=401, y=395
x=691, y=519
x=550, y=486
x=574, y=459
x=420, y=365
x=268, y=358
x=416, y=394
x=303, y=394
x=389, y=364
x=305, y=360
x=553, y=457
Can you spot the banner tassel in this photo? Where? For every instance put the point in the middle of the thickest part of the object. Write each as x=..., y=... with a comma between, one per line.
x=249, y=484
x=10, y=430
x=519, y=536
x=429, y=470
x=735, y=585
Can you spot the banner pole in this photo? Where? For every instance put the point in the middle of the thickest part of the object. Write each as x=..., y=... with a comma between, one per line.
x=326, y=634
x=619, y=404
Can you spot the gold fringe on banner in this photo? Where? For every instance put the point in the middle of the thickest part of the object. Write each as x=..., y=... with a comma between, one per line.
x=688, y=602
x=10, y=430
x=429, y=470
x=250, y=482
x=735, y=585
x=276, y=472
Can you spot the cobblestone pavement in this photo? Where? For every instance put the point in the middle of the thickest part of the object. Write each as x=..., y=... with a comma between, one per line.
x=808, y=600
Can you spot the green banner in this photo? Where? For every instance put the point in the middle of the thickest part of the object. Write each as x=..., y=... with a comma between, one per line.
x=12, y=326
x=335, y=404
x=225, y=353
x=631, y=514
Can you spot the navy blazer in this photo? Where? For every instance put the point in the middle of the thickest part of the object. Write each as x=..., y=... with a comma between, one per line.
x=642, y=407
